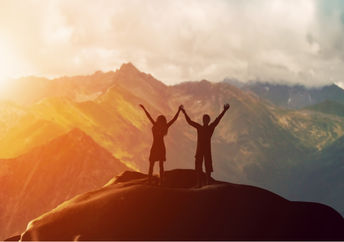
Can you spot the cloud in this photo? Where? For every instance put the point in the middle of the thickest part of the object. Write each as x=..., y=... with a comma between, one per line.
x=296, y=41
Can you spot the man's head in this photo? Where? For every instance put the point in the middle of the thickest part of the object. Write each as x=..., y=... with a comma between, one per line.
x=206, y=119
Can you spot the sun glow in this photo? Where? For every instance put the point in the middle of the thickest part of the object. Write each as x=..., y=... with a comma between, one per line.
x=7, y=63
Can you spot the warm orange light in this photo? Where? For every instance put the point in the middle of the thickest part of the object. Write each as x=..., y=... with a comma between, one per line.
x=7, y=62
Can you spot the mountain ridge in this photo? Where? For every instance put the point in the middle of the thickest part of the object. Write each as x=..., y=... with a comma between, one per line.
x=328, y=107
x=291, y=96
x=68, y=165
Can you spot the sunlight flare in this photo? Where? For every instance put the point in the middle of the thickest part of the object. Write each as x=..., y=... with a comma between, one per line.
x=7, y=63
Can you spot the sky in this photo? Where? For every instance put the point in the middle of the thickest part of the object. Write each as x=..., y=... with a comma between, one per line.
x=278, y=41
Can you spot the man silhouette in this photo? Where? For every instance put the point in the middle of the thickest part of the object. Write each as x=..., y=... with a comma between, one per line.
x=203, y=151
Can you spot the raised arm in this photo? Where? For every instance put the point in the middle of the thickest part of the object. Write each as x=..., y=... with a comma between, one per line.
x=148, y=115
x=175, y=116
x=217, y=120
x=190, y=122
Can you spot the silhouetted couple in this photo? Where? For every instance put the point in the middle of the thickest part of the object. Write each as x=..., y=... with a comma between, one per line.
x=203, y=151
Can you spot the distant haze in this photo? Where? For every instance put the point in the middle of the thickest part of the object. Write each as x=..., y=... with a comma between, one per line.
x=294, y=41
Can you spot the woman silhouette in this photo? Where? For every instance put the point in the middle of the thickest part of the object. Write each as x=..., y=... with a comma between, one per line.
x=158, y=150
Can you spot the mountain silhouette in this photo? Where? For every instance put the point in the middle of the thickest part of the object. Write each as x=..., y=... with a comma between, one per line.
x=292, y=96
x=129, y=209
x=32, y=89
x=28, y=90
x=37, y=181
x=142, y=85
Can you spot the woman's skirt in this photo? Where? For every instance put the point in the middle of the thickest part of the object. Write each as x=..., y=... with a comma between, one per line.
x=157, y=152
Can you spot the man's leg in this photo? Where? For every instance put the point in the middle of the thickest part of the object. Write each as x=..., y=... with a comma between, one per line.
x=161, y=165
x=208, y=168
x=198, y=168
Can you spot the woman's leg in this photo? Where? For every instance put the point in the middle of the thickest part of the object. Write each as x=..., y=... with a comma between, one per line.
x=208, y=177
x=150, y=171
x=161, y=165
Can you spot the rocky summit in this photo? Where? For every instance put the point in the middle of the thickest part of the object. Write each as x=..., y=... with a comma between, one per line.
x=128, y=208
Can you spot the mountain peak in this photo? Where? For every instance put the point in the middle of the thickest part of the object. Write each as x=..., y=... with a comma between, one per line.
x=79, y=138
x=128, y=67
x=77, y=132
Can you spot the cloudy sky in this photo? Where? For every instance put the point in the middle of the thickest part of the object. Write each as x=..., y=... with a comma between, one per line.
x=289, y=41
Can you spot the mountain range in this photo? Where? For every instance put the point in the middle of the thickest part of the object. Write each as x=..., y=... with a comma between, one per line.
x=258, y=142
x=292, y=96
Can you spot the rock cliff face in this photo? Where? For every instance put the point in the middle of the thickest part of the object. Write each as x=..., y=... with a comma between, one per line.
x=127, y=208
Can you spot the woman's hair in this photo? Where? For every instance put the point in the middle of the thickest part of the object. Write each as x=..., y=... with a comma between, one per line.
x=161, y=124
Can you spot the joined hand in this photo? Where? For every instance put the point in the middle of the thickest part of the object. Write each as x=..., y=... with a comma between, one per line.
x=226, y=106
